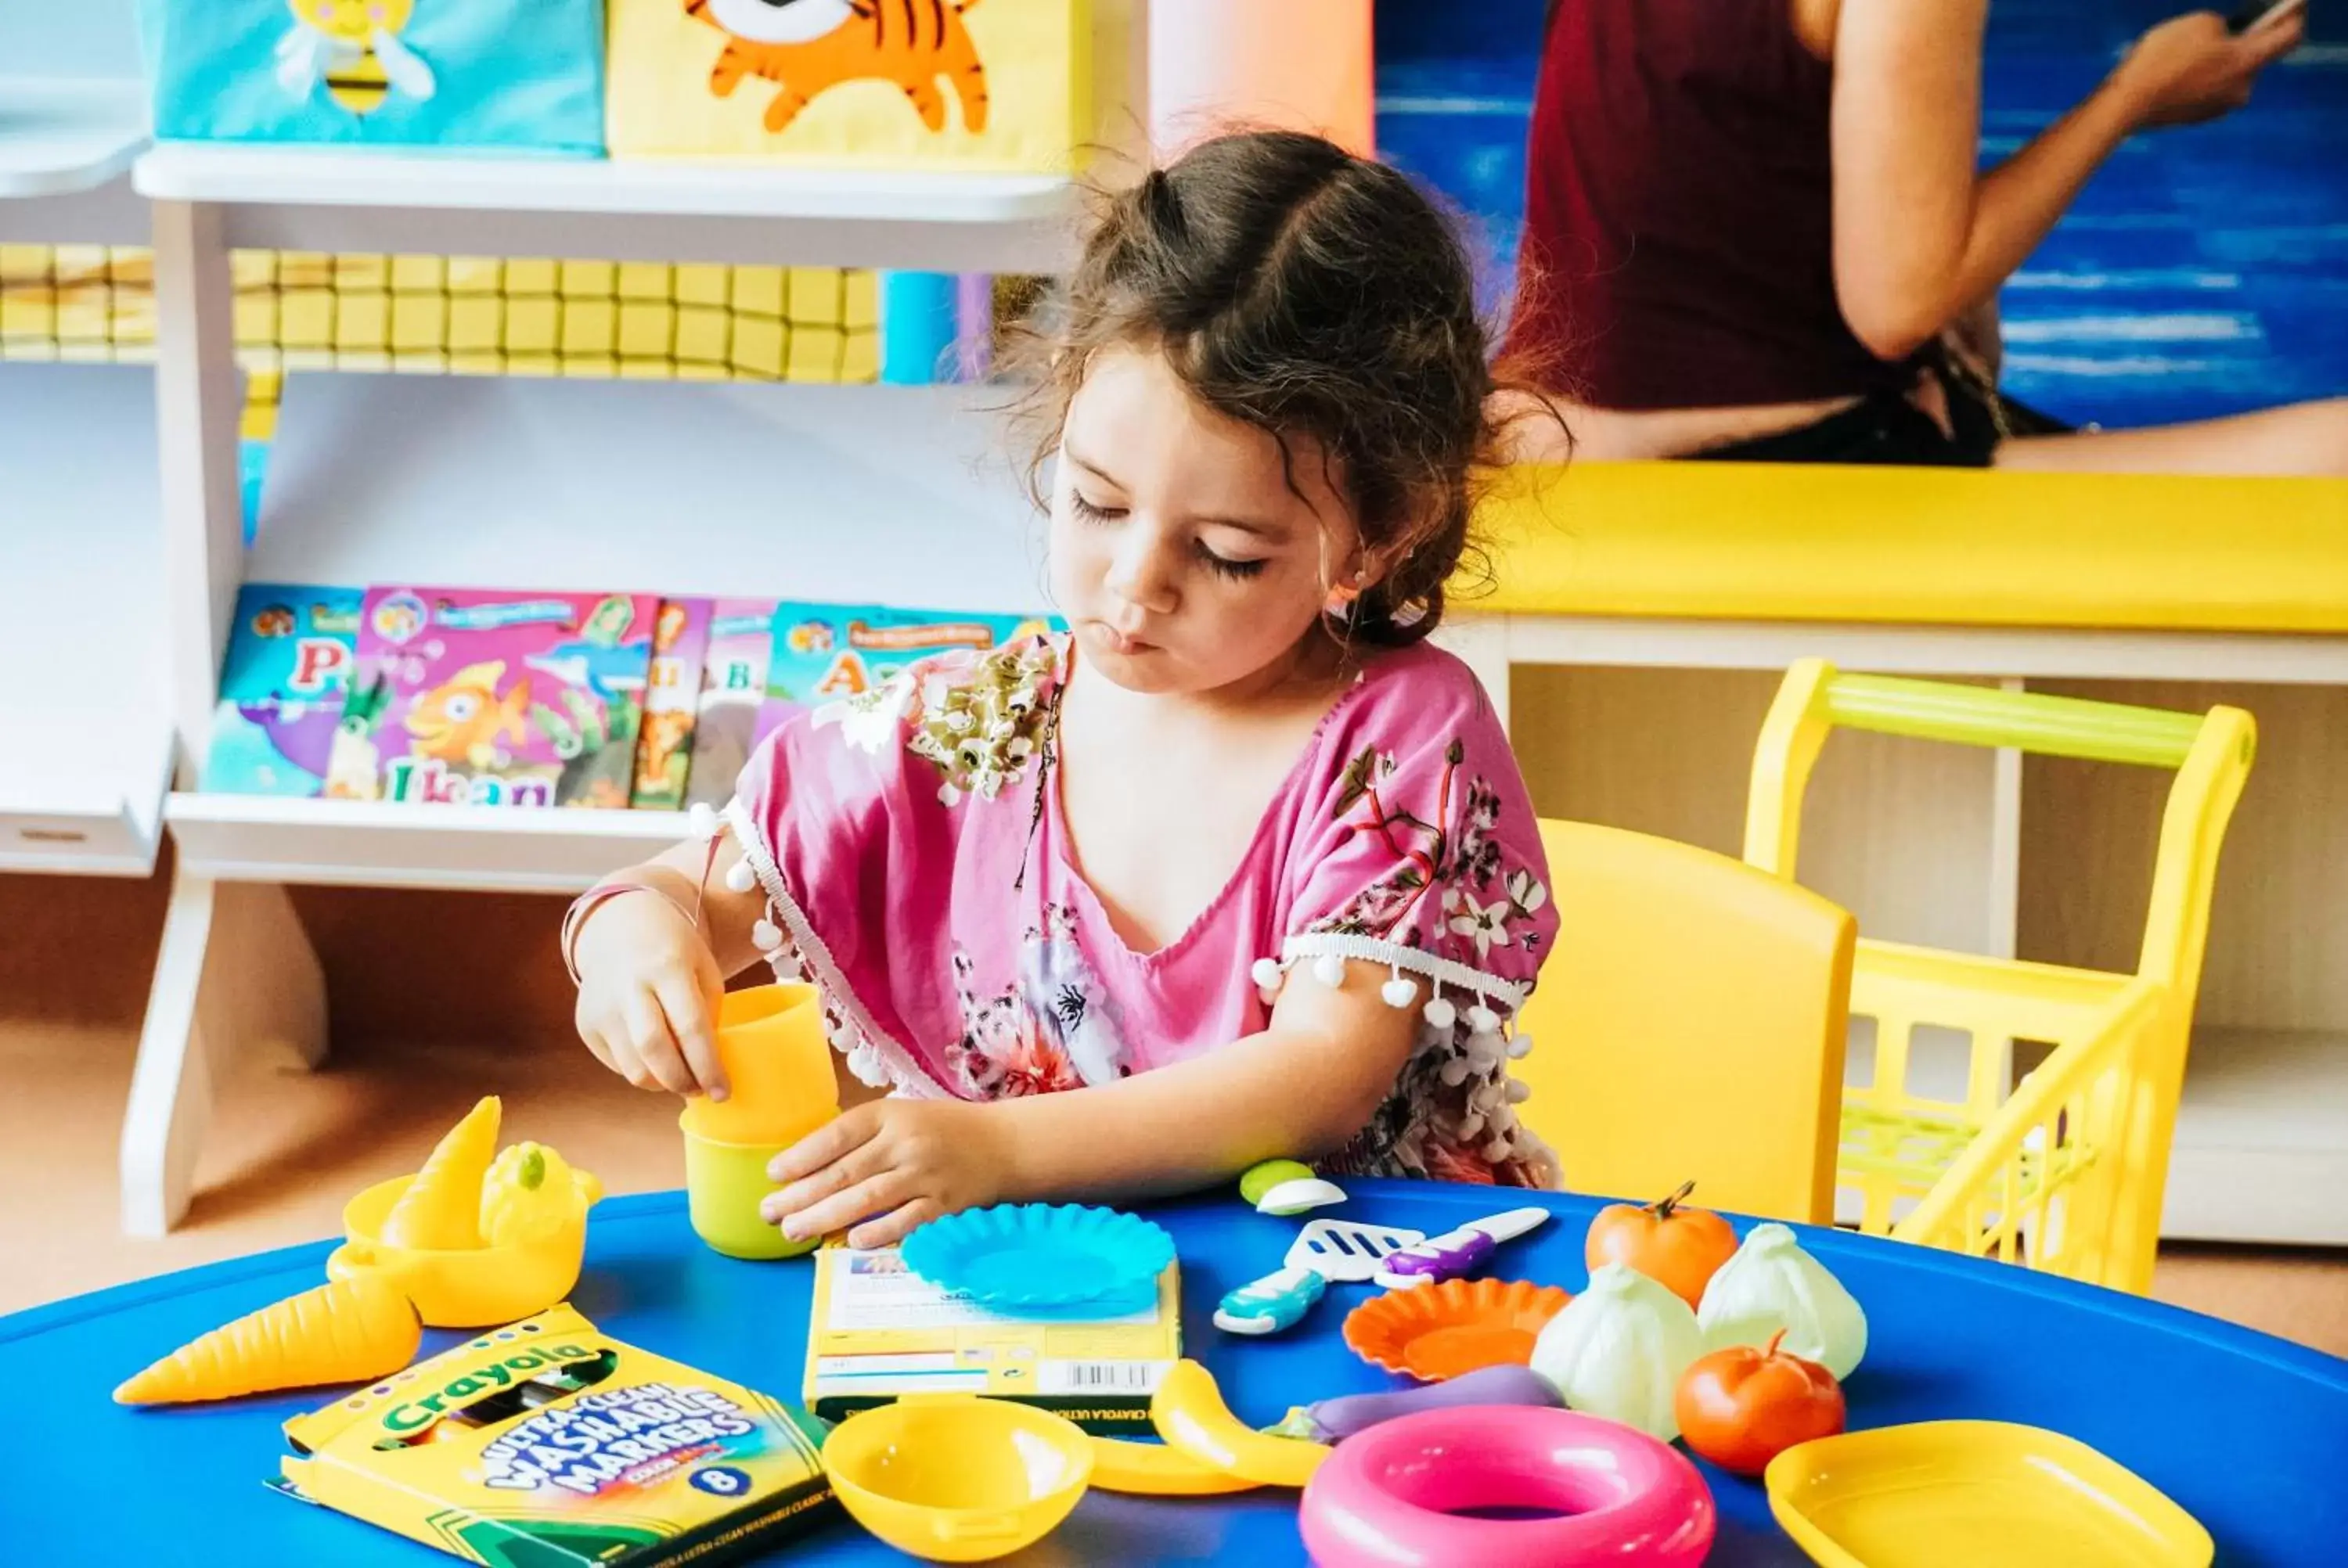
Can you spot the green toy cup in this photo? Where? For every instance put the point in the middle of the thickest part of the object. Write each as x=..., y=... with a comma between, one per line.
x=724, y=1184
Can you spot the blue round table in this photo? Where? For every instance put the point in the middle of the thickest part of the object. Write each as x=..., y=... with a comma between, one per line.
x=2249, y=1434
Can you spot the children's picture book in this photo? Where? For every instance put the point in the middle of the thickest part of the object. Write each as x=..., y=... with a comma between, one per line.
x=291, y=648
x=672, y=704
x=468, y=696
x=824, y=653
x=732, y=694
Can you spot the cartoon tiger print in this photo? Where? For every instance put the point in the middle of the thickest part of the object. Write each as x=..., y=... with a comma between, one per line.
x=808, y=47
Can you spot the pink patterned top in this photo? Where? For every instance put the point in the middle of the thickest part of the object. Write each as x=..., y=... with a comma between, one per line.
x=917, y=867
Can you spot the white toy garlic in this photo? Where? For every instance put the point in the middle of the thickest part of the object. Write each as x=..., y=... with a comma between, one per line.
x=1620, y=1349
x=1771, y=1283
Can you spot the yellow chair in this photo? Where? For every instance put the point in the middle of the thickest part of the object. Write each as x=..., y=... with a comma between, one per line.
x=2065, y=1171
x=1689, y=1023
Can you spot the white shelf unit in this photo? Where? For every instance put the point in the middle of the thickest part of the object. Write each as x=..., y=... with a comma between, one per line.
x=859, y=494
x=60, y=137
x=85, y=735
x=1649, y=724
x=850, y=494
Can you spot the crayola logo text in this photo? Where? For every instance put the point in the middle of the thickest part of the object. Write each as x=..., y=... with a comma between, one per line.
x=497, y=1374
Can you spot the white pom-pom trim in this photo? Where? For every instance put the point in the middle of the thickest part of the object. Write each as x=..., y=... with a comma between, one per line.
x=766, y=936
x=701, y=822
x=1330, y=971
x=740, y=878
x=1266, y=973
x=1520, y=1047
x=1519, y=1091
x=1455, y=1072
x=1482, y=1019
x=1399, y=992
x=1441, y=1014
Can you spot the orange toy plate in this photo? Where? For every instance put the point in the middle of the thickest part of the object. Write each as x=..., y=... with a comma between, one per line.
x=1436, y=1331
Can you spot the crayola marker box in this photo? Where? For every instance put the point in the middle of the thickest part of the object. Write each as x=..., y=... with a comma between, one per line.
x=878, y=1331
x=550, y=1442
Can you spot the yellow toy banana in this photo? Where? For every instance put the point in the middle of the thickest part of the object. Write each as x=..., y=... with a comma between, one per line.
x=1159, y=1470
x=441, y=1207
x=1190, y=1414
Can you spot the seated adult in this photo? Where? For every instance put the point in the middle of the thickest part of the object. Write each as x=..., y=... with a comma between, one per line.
x=1755, y=230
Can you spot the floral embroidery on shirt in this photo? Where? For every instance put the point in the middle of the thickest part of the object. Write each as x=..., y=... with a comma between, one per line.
x=1478, y=903
x=980, y=720
x=1057, y=1027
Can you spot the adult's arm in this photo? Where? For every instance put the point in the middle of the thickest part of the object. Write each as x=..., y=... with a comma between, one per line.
x=1919, y=237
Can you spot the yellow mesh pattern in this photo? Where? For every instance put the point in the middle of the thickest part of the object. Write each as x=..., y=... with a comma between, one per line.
x=462, y=315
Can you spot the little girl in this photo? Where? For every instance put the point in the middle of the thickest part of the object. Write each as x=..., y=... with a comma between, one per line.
x=1240, y=866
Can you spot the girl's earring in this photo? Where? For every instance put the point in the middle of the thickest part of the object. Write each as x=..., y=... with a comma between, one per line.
x=1340, y=604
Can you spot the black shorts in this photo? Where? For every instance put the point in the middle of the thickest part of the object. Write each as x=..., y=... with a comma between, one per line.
x=1885, y=427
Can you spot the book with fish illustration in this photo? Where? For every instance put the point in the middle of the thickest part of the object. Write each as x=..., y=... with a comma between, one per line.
x=672, y=704
x=732, y=695
x=291, y=648
x=824, y=653
x=470, y=696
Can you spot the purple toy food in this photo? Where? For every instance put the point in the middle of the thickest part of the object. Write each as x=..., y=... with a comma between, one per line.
x=1332, y=1420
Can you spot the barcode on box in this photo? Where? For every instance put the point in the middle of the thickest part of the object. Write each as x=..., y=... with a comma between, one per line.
x=1100, y=1377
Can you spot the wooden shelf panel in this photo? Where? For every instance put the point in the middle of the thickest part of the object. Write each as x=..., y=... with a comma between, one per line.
x=852, y=494
x=338, y=199
x=84, y=740
x=256, y=838
x=2262, y=1151
x=58, y=136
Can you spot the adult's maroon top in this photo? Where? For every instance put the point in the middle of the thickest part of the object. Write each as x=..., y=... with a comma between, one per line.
x=1678, y=243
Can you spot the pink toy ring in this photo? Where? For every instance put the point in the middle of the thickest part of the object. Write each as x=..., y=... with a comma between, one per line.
x=1394, y=1496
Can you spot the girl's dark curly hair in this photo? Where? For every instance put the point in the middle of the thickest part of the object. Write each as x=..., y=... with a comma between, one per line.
x=1302, y=289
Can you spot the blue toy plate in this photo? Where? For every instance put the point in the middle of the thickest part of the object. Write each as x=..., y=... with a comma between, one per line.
x=1042, y=1257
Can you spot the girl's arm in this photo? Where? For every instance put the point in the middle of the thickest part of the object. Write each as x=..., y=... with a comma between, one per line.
x=649, y=981
x=1301, y=1088
x=1918, y=237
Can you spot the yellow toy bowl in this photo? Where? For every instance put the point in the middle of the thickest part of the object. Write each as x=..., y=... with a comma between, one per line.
x=954, y=1478
x=464, y=1287
x=724, y=1184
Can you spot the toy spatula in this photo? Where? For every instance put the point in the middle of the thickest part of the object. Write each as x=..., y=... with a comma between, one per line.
x=1344, y=1250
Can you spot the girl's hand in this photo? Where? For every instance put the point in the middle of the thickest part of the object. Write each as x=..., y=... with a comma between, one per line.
x=893, y=1165
x=648, y=995
x=2190, y=68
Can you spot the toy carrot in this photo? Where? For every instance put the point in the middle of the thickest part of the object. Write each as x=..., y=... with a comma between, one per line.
x=442, y=1207
x=346, y=1332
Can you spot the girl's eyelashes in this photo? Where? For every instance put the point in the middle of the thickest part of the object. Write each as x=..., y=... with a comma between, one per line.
x=1224, y=565
x=1228, y=566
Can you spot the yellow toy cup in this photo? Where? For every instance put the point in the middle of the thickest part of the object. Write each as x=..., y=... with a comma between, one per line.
x=777, y=1064
x=465, y=1288
x=954, y=1478
x=724, y=1182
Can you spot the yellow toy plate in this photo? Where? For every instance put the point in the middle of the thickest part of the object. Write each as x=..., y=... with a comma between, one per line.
x=1958, y=1494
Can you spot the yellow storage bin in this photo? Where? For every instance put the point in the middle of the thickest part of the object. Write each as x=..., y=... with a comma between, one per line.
x=2062, y=1171
x=999, y=86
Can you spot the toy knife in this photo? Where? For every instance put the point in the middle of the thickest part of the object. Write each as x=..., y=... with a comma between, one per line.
x=1457, y=1252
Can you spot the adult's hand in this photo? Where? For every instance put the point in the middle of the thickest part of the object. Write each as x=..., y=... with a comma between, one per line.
x=2190, y=68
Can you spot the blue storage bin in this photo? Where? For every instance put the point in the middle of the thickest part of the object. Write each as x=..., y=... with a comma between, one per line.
x=461, y=76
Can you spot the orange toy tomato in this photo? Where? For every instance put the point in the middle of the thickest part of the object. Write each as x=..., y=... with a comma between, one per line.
x=1679, y=1248
x=1741, y=1408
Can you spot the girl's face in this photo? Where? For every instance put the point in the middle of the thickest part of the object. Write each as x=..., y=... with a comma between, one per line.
x=1182, y=558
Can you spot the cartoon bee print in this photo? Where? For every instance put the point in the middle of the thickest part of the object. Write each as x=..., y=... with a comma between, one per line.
x=354, y=46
